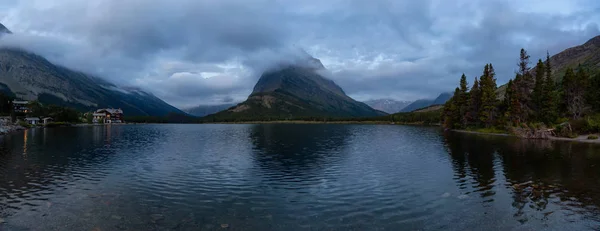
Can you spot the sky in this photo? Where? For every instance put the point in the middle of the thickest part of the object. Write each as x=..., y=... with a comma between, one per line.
x=197, y=52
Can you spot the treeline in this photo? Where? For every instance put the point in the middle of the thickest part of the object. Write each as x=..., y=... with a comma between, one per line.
x=532, y=97
x=58, y=113
x=169, y=118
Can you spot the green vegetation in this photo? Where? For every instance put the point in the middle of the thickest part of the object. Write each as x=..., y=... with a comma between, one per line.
x=58, y=113
x=169, y=118
x=89, y=118
x=6, y=106
x=592, y=137
x=491, y=130
x=57, y=124
x=426, y=118
x=25, y=124
x=532, y=100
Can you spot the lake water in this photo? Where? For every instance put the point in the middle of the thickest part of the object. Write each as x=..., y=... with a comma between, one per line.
x=293, y=177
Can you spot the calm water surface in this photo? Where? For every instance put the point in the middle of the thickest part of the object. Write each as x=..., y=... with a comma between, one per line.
x=293, y=177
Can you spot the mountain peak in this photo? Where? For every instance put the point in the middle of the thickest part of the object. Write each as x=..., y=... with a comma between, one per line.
x=4, y=30
x=295, y=92
x=594, y=41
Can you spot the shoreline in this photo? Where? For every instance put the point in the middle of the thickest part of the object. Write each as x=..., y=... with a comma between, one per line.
x=581, y=138
x=319, y=122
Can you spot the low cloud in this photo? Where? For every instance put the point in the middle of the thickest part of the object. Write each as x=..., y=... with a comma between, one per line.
x=191, y=52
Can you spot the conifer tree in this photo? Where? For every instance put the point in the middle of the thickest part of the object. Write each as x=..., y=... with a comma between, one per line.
x=593, y=93
x=463, y=104
x=549, y=106
x=524, y=85
x=574, y=92
x=451, y=111
x=511, y=103
x=537, y=94
x=474, y=104
x=487, y=110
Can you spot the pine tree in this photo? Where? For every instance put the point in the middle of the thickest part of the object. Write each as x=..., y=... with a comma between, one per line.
x=452, y=116
x=472, y=114
x=464, y=88
x=574, y=92
x=463, y=103
x=593, y=93
x=549, y=107
x=524, y=84
x=511, y=104
x=487, y=110
x=537, y=94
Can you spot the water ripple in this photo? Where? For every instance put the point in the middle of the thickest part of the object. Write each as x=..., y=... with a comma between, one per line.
x=290, y=177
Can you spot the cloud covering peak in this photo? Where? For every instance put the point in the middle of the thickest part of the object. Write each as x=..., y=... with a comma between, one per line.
x=191, y=52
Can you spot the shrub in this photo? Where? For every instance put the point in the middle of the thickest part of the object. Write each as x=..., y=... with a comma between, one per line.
x=593, y=123
x=564, y=131
x=492, y=130
x=57, y=124
x=592, y=137
x=579, y=125
x=562, y=120
x=25, y=124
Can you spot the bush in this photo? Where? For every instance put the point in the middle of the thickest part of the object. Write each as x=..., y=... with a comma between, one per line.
x=562, y=120
x=593, y=123
x=491, y=130
x=564, y=131
x=536, y=125
x=57, y=124
x=592, y=137
x=579, y=125
x=25, y=124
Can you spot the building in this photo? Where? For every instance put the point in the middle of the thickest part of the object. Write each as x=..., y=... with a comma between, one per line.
x=32, y=120
x=47, y=120
x=20, y=106
x=108, y=115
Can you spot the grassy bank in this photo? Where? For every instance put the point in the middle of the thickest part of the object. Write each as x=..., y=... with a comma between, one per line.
x=589, y=138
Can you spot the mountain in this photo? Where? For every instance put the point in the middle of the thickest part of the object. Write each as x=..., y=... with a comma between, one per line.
x=587, y=55
x=4, y=30
x=29, y=76
x=442, y=98
x=296, y=92
x=423, y=103
x=203, y=110
x=388, y=105
x=418, y=104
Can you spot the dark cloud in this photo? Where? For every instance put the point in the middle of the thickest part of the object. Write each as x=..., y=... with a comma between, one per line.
x=191, y=52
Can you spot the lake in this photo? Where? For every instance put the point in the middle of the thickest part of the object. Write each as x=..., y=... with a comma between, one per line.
x=293, y=177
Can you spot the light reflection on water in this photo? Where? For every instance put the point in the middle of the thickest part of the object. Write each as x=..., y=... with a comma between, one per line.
x=292, y=177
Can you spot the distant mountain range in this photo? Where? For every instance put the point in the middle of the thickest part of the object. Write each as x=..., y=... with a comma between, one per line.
x=29, y=76
x=296, y=92
x=423, y=103
x=204, y=110
x=388, y=105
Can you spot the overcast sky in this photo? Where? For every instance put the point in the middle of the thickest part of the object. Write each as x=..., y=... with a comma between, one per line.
x=191, y=52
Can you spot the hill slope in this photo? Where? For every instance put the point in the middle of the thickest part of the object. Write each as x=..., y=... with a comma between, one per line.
x=295, y=92
x=587, y=55
x=31, y=77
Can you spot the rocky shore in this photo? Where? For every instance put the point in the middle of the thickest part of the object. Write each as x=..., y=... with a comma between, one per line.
x=6, y=128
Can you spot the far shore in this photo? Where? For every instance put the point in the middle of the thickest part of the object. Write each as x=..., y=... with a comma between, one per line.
x=581, y=138
x=319, y=122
